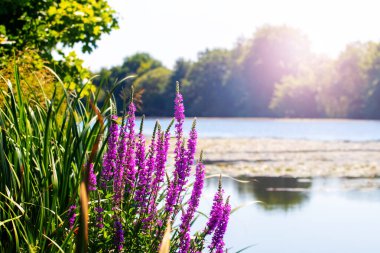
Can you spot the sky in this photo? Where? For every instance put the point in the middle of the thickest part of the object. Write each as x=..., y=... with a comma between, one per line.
x=170, y=29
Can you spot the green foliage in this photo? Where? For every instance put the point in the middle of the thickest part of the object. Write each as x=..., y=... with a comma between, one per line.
x=348, y=87
x=271, y=74
x=341, y=88
x=137, y=64
x=302, y=95
x=44, y=27
x=41, y=25
x=295, y=97
x=153, y=83
x=372, y=103
x=207, y=75
x=273, y=52
x=41, y=162
x=179, y=74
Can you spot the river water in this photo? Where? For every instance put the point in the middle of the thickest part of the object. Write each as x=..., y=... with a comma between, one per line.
x=312, y=129
x=296, y=215
x=301, y=215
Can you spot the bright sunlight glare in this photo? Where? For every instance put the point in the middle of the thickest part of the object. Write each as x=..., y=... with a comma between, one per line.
x=169, y=29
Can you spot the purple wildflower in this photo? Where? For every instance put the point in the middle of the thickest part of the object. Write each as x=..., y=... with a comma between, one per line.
x=183, y=158
x=142, y=175
x=184, y=170
x=161, y=157
x=119, y=235
x=179, y=112
x=145, y=176
x=179, y=149
x=179, y=116
x=151, y=156
x=193, y=205
x=174, y=187
x=216, y=211
x=99, y=217
x=109, y=159
x=151, y=160
x=91, y=178
x=217, y=242
x=120, y=164
x=162, y=154
x=192, y=144
x=130, y=170
x=72, y=215
x=185, y=243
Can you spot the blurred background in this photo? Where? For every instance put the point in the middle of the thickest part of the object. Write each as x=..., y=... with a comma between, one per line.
x=313, y=59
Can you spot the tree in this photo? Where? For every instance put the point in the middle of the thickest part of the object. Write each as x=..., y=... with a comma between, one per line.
x=345, y=96
x=154, y=84
x=43, y=27
x=137, y=64
x=207, y=88
x=372, y=103
x=299, y=95
x=273, y=52
x=179, y=74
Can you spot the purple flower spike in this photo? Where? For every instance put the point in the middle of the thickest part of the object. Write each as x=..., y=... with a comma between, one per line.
x=142, y=168
x=216, y=211
x=130, y=170
x=99, y=217
x=72, y=215
x=161, y=158
x=217, y=242
x=177, y=183
x=151, y=160
x=179, y=110
x=189, y=158
x=119, y=235
x=120, y=164
x=109, y=159
x=91, y=178
x=179, y=118
x=192, y=144
x=193, y=205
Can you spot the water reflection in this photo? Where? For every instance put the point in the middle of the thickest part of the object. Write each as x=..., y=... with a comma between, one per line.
x=297, y=212
x=274, y=193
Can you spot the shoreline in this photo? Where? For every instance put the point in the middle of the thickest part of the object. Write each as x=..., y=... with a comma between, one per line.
x=256, y=157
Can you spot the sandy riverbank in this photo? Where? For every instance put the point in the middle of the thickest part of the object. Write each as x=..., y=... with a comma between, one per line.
x=298, y=158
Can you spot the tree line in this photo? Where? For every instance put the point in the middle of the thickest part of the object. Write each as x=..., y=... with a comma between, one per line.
x=272, y=74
